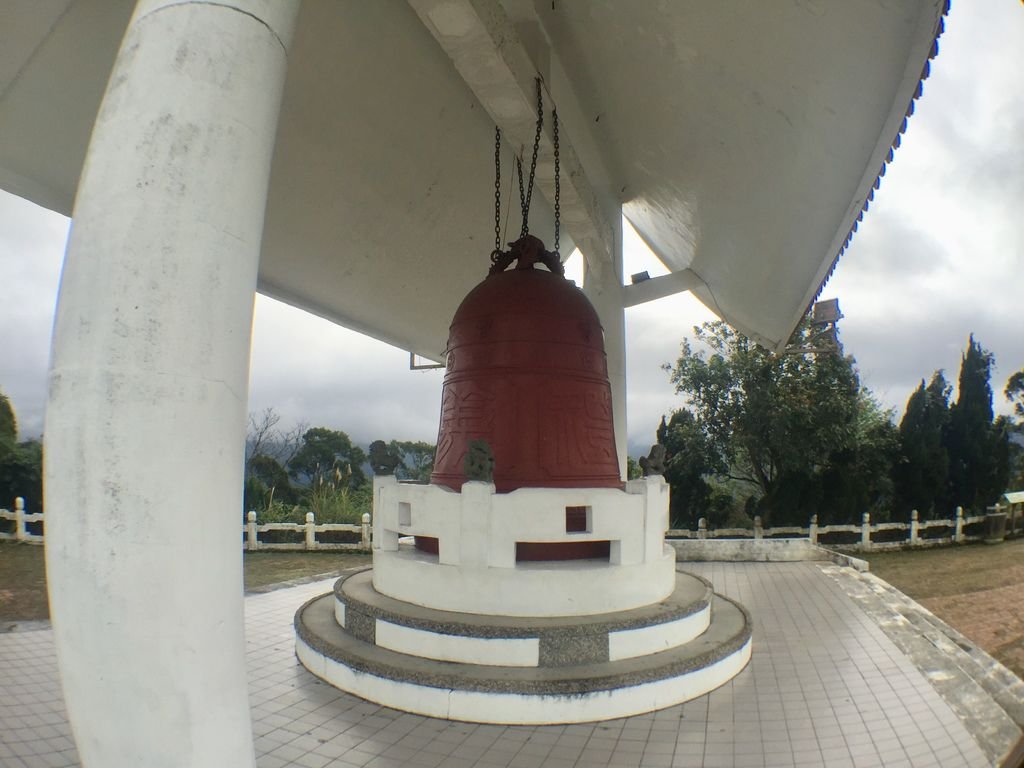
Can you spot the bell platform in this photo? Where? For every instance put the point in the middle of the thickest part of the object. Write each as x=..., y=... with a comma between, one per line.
x=473, y=633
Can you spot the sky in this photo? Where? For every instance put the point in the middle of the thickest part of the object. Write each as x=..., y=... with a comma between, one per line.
x=940, y=255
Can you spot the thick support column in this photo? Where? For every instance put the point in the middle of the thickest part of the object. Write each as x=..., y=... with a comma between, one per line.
x=602, y=283
x=148, y=387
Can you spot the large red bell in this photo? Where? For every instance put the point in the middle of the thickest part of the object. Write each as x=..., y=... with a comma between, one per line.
x=527, y=373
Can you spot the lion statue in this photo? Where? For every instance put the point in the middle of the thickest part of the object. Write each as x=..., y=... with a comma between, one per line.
x=654, y=463
x=383, y=460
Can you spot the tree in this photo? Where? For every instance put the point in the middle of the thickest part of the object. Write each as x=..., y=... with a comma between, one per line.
x=21, y=464
x=978, y=453
x=921, y=471
x=417, y=459
x=261, y=434
x=322, y=452
x=264, y=438
x=857, y=478
x=21, y=474
x=267, y=482
x=688, y=460
x=8, y=427
x=633, y=469
x=786, y=426
x=1015, y=393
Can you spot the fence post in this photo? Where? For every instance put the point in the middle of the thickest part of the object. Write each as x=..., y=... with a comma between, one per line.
x=365, y=530
x=914, y=528
x=812, y=533
x=758, y=529
x=310, y=531
x=19, y=519
x=958, y=529
x=702, y=528
x=865, y=531
x=252, y=542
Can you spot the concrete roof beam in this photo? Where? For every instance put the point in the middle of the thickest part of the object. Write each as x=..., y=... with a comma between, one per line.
x=492, y=60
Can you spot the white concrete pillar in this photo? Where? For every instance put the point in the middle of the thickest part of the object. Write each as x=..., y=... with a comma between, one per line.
x=602, y=283
x=364, y=531
x=146, y=419
x=474, y=542
x=310, y=531
x=20, y=531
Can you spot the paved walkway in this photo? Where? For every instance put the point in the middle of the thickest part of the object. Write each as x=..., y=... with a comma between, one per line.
x=826, y=687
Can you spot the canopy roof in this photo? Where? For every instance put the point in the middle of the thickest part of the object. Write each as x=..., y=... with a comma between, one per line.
x=741, y=140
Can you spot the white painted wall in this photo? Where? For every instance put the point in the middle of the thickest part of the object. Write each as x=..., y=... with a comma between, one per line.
x=643, y=641
x=491, y=651
x=477, y=530
x=148, y=387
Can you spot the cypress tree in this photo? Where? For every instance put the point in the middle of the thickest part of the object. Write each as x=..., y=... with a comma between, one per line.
x=921, y=474
x=977, y=456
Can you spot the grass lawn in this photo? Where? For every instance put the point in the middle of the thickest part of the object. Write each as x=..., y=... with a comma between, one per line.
x=23, y=575
x=265, y=568
x=948, y=571
x=22, y=583
x=977, y=588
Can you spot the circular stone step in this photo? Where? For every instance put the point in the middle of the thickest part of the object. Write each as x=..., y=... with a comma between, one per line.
x=521, y=641
x=519, y=694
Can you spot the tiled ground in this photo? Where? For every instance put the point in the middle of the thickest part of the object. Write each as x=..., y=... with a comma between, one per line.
x=825, y=687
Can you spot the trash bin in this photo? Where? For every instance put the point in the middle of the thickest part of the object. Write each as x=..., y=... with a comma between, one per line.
x=995, y=527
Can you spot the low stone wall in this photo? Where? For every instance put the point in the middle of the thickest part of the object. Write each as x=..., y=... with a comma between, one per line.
x=759, y=550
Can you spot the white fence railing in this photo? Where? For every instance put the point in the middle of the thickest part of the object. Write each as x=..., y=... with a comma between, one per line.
x=916, y=533
x=20, y=518
x=252, y=530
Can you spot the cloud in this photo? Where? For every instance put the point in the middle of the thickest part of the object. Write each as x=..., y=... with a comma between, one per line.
x=310, y=370
x=941, y=251
x=31, y=252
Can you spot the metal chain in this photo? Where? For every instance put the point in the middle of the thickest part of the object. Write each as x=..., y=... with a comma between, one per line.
x=497, y=188
x=558, y=187
x=533, y=160
x=526, y=190
x=523, y=207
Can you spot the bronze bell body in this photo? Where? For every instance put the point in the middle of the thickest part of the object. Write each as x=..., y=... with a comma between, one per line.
x=527, y=373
